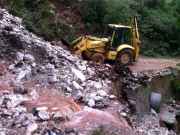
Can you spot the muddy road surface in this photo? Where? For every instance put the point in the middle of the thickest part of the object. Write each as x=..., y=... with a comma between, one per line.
x=153, y=64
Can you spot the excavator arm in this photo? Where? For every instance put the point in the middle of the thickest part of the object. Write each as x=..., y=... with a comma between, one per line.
x=135, y=36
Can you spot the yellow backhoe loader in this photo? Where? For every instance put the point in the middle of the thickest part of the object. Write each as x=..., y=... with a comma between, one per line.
x=118, y=42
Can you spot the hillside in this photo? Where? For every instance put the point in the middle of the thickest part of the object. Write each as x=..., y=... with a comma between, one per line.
x=45, y=90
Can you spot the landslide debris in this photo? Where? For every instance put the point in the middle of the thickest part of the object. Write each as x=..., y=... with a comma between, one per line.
x=32, y=59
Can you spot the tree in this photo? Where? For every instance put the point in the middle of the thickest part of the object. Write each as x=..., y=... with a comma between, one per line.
x=178, y=20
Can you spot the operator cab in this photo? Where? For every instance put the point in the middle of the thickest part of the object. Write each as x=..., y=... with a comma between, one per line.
x=118, y=35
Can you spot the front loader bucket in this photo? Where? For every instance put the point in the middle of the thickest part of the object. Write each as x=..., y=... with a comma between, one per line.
x=68, y=45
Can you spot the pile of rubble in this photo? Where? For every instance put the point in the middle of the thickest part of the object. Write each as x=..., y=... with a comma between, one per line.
x=34, y=60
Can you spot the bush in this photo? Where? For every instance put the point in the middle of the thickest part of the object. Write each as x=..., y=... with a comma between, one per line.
x=175, y=85
x=116, y=13
x=155, y=3
x=94, y=10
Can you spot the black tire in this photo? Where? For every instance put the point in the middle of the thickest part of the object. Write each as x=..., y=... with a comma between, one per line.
x=125, y=57
x=83, y=54
x=98, y=58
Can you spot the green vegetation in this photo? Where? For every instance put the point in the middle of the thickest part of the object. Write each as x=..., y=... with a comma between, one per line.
x=102, y=131
x=1, y=15
x=36, y=14
x=158, y=20
x=62, y=22
x=175, y=85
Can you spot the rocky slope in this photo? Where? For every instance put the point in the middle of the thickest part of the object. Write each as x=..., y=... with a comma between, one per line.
x=61, y=76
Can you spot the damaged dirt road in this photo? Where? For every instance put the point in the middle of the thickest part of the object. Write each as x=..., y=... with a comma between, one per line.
x=153, y=64
x=44, y=90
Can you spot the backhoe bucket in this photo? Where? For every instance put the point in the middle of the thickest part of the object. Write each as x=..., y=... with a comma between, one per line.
x=68, y=45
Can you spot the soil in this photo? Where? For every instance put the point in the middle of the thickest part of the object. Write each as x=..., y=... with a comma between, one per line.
x=70, y=13
x=153, y=64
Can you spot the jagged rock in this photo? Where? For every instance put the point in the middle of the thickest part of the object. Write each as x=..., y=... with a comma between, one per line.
x=69, y=130
x=43, y=115
x=102, y=93
x=71, y=58
x=18, y=125
x=91, y=103
x=50, y=66
x=41, y=108
x=97, y=98
x=11, y=67
x=19, y=56
x=98, y=85
x=7, y=112
x=31, y=128
x=58, y=116
x=8, y=104
x=78, y=74
x=21, y=75
x=77, y=86
x=89, y=84
x=5, y=92
x=112, y=96
x=21, y=90
x=77, y=95
x=53, y=78
x=28, y=57
x=26, y=121
x=81, y=67
x=33, y=111
x=1, y=100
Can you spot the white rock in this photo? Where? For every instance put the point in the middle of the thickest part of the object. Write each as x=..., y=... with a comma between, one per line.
x=97, y=98
x=89, y=84
x=112, y=96
x=91, y=103
x=28, y=57
x=11, y=67
x=77, y=95
x=33, y=64
x=2, y=133
x=50, y=66
x=1, y=100
x=124, y=114
x=41, y=108
x=53, y=78
x=82, y=68
x=57, y=116
x=97, y=85
x=21, y=75
x=78, y=74
x=31, y=128
x=102, y=93
x=19, y=56
x=90, y=71
x=44, y=115
x=92, y=95
x=77, y=86
x=17, y=102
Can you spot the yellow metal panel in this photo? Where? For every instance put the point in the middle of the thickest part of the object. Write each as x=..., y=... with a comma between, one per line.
x=124, y=46
x=111, y=55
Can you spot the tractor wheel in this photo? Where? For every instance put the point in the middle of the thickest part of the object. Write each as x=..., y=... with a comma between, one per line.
x=98, y=58
x=125, y=57
x=83, y=54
